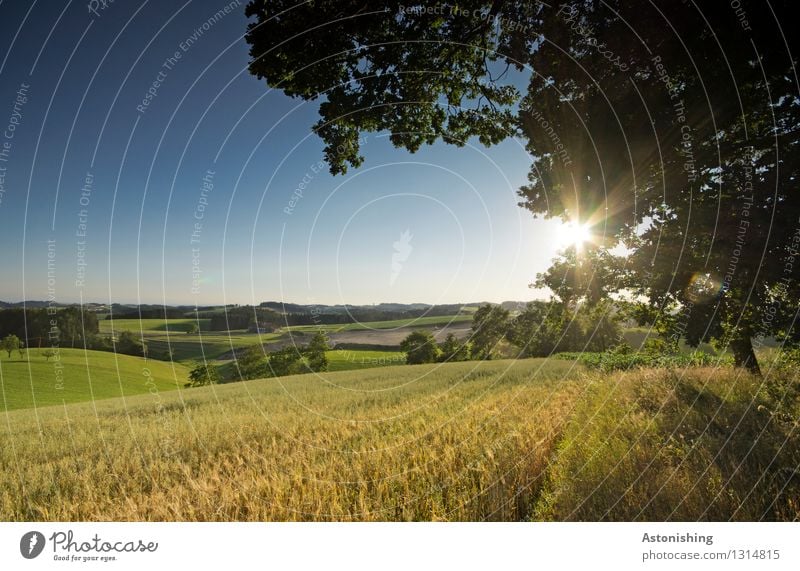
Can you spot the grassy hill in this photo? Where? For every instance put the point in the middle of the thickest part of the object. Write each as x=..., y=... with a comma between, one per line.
x=499, y=440
x=79, y=375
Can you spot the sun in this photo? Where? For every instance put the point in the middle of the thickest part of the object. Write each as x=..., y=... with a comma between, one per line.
x=574, y=234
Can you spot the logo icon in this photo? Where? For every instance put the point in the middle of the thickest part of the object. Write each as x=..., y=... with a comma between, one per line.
x=31, y=544
x=402, y=250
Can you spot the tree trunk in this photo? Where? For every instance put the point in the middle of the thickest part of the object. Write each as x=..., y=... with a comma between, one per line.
x=743, y=354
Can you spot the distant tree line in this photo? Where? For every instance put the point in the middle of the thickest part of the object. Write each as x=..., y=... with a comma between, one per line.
x=242, y=317
x=34, y=326
x=150, y=312
x=68, y=326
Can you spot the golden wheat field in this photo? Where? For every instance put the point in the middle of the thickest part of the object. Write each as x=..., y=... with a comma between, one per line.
x=499, y=440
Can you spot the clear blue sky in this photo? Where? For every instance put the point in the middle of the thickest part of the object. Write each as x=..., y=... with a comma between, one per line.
x=340, y=242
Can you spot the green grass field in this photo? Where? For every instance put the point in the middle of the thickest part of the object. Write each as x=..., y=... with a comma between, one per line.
x=80, y=375
x=499, y=440
x=152, y=325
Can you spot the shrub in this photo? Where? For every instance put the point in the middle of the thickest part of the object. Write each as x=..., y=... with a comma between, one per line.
x=420, y=347
x=202, y=375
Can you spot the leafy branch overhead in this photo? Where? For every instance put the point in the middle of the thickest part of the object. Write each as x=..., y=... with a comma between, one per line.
x=377, y=67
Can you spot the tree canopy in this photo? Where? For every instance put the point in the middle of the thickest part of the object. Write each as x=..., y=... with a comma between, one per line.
x=668, y=128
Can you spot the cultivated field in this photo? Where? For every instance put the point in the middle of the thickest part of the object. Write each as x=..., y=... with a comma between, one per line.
x=499, y=440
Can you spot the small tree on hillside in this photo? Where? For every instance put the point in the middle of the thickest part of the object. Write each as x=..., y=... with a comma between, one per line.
x=10, y=344
x=287, y=361
x=420, y=347
x=203, y=374
x=251, y=363
x=315, y=352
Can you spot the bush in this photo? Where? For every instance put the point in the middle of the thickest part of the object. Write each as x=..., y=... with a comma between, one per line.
x=251, y=363
x=420, y=347
x=288, y=361
x=622, y=358
x=202, y=375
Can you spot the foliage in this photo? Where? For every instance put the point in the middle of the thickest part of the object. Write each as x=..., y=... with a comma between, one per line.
x=251, y=363
x=287, y=361
x=362, y=89
x=203, y=374
x=129, y=344
x=633, y=134
x=420, y=347
x=544, y=328
x=623, y=358
x=35, y=326
x=10, y=343
x=452, y=349
x=315, y=352
x=489, y=327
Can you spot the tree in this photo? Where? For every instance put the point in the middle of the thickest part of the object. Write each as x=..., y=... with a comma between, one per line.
x=420, y=347
x=287, y=361
x=540, y=329
x=489, y=326
x=452, y=349
x=251, y=363
x=673, y=134
x=372, y=82
x=315, y=352
x=203, y=374
x=193, y=329
x=10, y=344
x=128, y=344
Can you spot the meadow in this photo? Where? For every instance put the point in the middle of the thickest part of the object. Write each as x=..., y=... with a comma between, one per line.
x=530, y=439
x=78, y=375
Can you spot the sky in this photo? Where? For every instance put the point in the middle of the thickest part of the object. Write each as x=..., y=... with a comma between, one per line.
x=140, y=162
